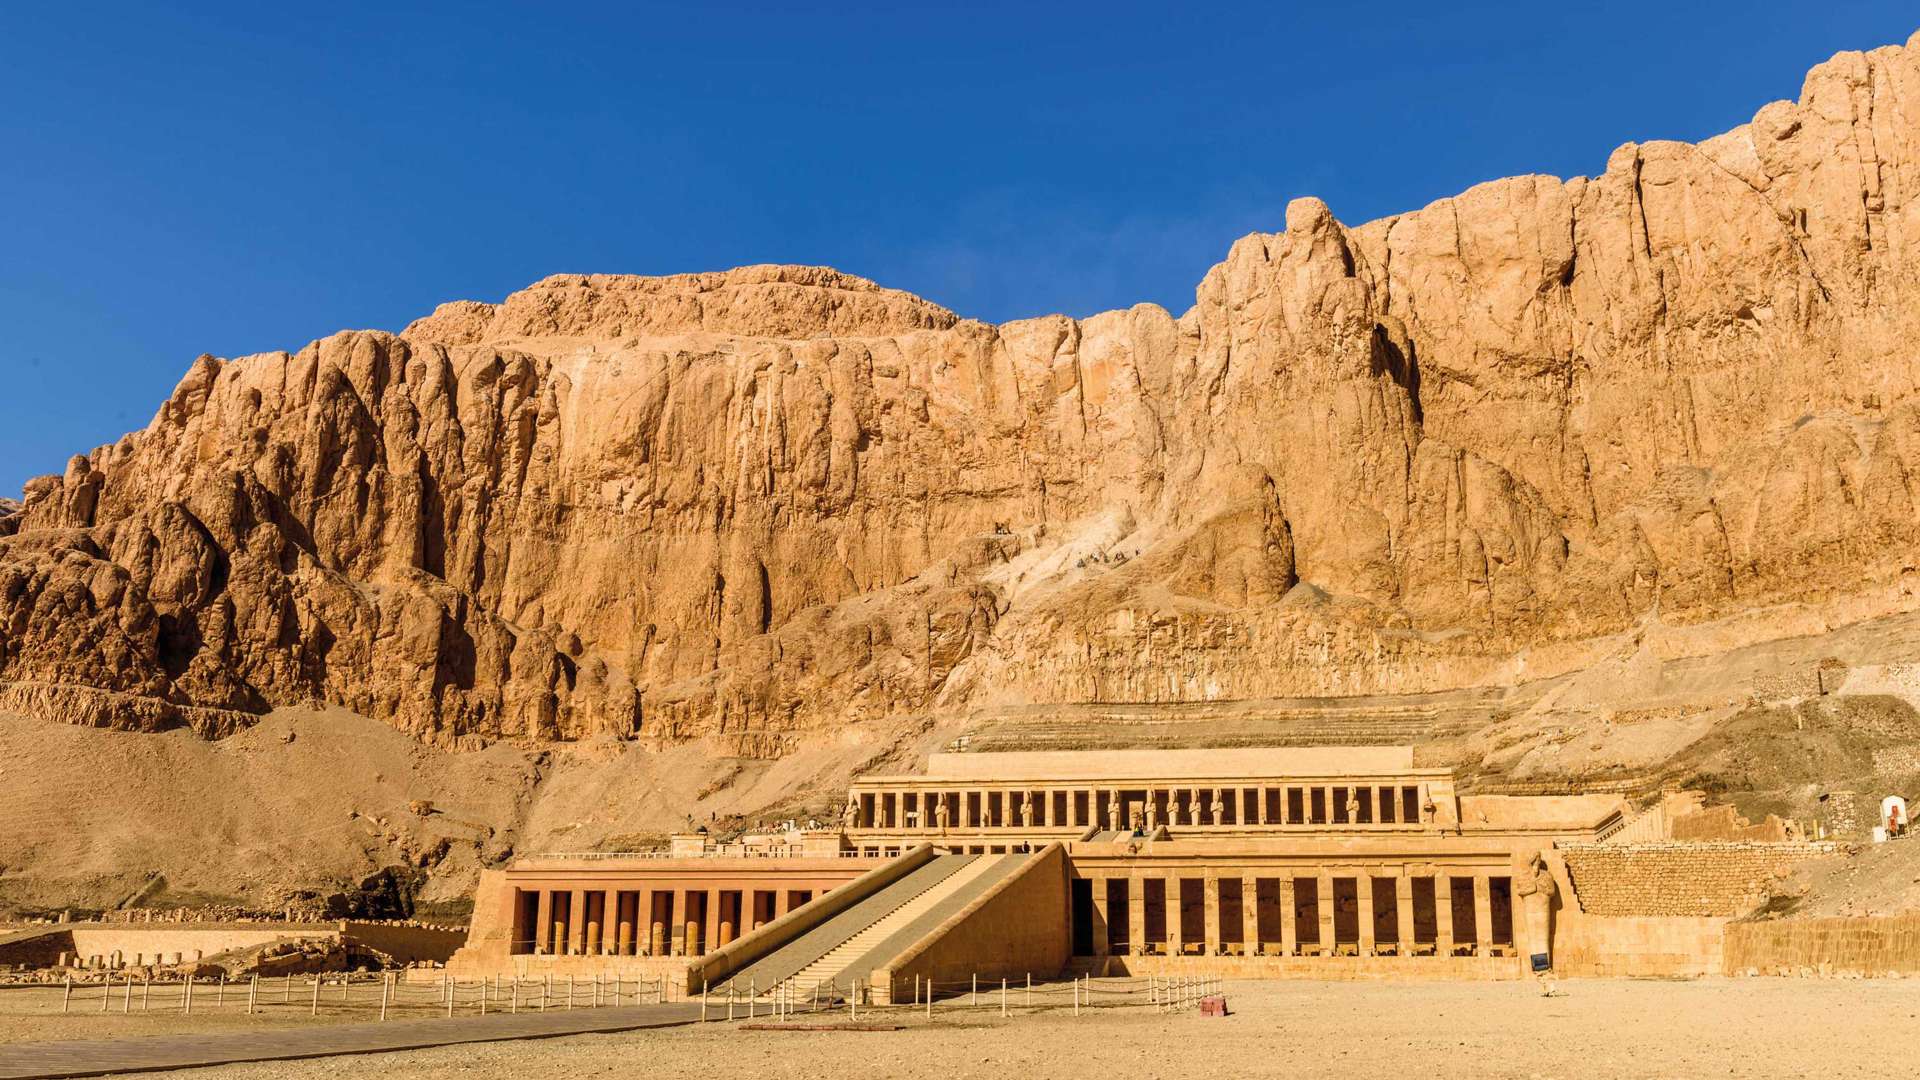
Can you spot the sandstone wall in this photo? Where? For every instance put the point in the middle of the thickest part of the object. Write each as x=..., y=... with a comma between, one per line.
x=1393, y=457
x=1841, y=946
x=1677, y=878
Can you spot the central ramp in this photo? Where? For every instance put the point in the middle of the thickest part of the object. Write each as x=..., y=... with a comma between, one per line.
x=835, y=950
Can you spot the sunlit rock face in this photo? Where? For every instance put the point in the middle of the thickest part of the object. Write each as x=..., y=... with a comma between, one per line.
x=1451, y=448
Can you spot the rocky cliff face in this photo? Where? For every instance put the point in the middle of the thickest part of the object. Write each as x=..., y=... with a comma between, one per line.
x=1451, y=448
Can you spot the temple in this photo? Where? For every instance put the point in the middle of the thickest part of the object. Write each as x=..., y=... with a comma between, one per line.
x=1282, y=862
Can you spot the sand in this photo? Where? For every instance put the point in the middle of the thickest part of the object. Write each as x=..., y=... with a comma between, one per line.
x=1718, y=1027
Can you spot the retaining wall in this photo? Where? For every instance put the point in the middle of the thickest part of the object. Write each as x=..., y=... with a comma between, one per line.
x=1678, y=878
x=1840, y=946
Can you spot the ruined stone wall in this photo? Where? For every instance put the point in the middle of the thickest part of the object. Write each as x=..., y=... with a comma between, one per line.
x=1679, y=878
x=1842, y=946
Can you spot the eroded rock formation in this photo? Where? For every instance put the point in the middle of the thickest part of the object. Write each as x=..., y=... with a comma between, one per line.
x=1441, y=449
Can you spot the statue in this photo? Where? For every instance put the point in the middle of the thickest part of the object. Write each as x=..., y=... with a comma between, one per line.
x=940, y=812
x=1535, y=891
x=1219, y=807
x=1113, y=809
x=1153, y=814
x=1353, y=805
x=850, y=817
x=1026, y=809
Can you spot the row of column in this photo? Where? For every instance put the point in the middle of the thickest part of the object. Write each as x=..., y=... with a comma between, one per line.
x=662, y=921
x=1488, y=919
x=1151, y=807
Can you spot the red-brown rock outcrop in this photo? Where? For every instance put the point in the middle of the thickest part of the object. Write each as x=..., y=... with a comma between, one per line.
x=1440, y=449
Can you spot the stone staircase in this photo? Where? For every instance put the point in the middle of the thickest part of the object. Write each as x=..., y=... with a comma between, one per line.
x=846, y=958
x=792, y=958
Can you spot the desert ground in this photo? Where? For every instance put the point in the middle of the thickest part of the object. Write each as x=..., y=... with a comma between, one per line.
x=1624, y=1028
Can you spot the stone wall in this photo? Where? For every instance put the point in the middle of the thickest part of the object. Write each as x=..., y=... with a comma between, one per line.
x=1842, y=946
x=1019, y=927
x=1678, y=878
x=1662, y=947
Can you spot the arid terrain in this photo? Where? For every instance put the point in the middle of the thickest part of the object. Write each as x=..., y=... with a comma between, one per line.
x=1605, y=481
x=1615, y=1028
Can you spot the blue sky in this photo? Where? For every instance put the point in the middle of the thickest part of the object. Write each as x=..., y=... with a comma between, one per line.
x=227, y=179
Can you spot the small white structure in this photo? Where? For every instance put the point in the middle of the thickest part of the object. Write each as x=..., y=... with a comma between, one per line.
x=1893, y=817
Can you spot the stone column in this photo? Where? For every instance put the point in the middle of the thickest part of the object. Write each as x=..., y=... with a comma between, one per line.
x=1136, y=914
x=1101, y=916
x=677, y=923
x=1403, y=907
x=623, y=944
x=596, y=915
x=1176, y=910
x=577, y=923
x=1363, y=895
x=543, y=923
x=1482, y=915
x=711, y=939
x=1325, y=897
x=1250, y=915
x=1289, y=923
x=1210, y=906
x=1443, y=915
x=782, y=902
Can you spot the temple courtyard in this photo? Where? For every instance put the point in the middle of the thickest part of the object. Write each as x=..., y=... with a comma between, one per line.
x=1591, y=1027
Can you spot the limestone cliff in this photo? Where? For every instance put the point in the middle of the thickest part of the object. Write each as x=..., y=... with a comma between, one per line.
x=1457, y=447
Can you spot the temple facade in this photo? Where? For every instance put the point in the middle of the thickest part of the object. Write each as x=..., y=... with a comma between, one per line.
x=1308, y=862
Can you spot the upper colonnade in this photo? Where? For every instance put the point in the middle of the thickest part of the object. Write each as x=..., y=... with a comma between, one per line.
x=1069, y=793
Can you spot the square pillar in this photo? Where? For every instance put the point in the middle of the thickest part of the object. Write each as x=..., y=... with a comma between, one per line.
x=1250, y=915
x=1289, y=917
x=623, y=940
x=1325, y=905
x=710, y=939
x=1403, y=907
x=1443, y=915
x=1210, y=904
x=577, y=923
x=1482, y=915
x=596, y=916
x=543, y=923
x=1363, y=897
x=1137, y=915
x=1101, y=912
x=677, y=924
x=1176, y=911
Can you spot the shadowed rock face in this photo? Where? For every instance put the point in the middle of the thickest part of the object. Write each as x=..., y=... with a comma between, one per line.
x=1456, y=447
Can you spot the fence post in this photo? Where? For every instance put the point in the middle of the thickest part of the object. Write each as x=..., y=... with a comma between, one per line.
x=1003, y=995
x=753, y=991
x=1076, y=995
x=703, y=1003
x=106, y=992
x=486, y=991
x=1028, y=999
x=220, y=991
x=453, y=991
x=515, y=1007
x=126, y=1002
x=253, y=992
x=66, y=995
x=975, y=1000
x=569, y=991
x=315, y=1010
x=929, y=997
x=386, y=984
x=186, y=1004
x=853, y=1000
